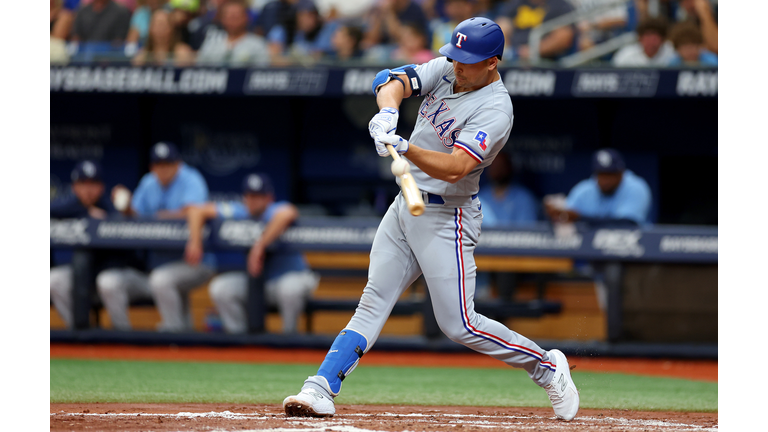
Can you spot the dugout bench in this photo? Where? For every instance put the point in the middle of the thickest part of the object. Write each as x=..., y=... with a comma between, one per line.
x=86, y=301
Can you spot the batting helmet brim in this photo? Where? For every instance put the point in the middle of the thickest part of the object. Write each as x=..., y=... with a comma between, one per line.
x=461, y=56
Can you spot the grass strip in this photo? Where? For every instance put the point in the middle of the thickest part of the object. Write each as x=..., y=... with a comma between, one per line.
x=84, y=381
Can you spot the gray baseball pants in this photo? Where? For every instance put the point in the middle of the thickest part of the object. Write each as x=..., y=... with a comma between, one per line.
x=288, y=292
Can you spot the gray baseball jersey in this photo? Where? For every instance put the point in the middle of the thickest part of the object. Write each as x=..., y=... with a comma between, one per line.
x=478, y=122
x=440, y=243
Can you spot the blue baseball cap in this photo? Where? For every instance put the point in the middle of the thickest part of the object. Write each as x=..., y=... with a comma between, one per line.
x=607, y=161
x=164, y=151
x=86, y=170
x=258, y=183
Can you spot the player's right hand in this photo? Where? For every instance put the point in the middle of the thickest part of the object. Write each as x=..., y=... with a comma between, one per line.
x=383, y=123
x=399, y=143
x=193, y=253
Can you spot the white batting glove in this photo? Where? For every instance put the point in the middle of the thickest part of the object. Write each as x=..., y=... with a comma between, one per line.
x=383, y=123
x=399, y=143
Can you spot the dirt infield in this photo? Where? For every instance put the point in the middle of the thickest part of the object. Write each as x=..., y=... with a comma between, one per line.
x=361, y=418
x=705, y=370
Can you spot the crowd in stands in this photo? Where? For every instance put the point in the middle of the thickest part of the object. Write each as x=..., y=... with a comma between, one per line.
x=280, y=32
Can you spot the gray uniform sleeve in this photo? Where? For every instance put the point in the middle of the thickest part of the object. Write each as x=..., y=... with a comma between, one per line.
x=485, y=134
x=431, y=73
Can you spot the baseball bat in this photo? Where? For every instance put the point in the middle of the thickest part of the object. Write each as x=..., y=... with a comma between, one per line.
x=411, y=192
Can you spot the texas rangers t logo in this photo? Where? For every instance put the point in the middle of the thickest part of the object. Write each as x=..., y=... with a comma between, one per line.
x=460, y=37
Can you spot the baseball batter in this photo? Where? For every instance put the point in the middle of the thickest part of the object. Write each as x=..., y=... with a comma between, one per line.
x=464, y=121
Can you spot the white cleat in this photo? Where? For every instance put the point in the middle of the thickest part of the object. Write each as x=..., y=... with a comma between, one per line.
x=562, y=391
x=309, y=403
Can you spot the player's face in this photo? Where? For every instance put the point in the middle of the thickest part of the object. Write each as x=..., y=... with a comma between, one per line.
x=689, y=52
x=609, y=182
x=234, y=18
x=161, y=25
x=651, y=42
x=306, y=21
x=165, y=172
x=257, y=203
x=474, y=76
x=88, y=191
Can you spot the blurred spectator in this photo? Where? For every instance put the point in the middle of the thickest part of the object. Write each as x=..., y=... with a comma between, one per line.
x=288, y=280
x=276, y=12
x=700, y=12
x=703, y=13
x=412, y=47
x=140, y=21
x=385, y=21
x=613, y=195
x=489, y=8
x=346, y=43
x=433, y=9
x=62, y=19
x=688, y=43
x=233, y=46
x=166, y=192
x=606, y=25
x=505, y=201
x=200, y=25
x=457, y=11
x=101, y=21
x=311, y=38
x=343, y=9
x=518, y=17
x=651, y=49
x=129, y=4
x=182, y=14
x=164, y=45
x=61, y=26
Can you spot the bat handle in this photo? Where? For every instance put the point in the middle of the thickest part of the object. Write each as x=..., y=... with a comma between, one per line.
x=393, y=152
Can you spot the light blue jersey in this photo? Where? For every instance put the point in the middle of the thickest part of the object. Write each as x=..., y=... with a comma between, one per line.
x=187, y=188
x=517, y=206
x=281, y=259
x=632, y=199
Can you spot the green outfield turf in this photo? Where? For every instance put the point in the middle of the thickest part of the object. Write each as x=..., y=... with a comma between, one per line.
x=189, y=382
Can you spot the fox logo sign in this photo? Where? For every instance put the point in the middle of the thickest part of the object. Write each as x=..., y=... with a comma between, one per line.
x=460, y=37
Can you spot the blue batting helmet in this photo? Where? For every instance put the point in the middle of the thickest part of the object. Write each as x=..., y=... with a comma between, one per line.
x=474, y=40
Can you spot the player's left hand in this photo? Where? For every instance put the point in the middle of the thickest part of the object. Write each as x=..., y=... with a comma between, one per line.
x=383, y=123
x=400, y=144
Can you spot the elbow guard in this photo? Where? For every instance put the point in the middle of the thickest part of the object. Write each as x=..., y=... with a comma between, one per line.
x=388, y=75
